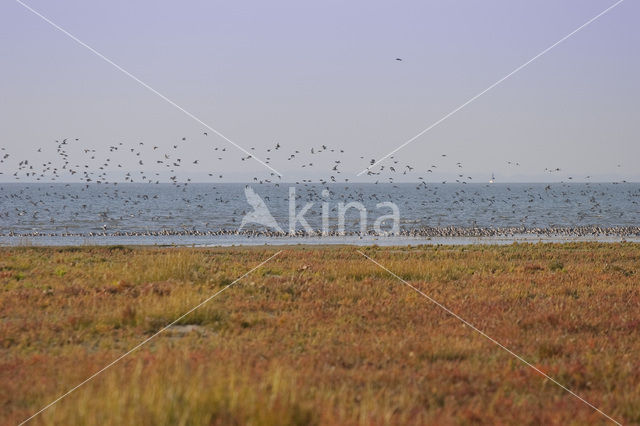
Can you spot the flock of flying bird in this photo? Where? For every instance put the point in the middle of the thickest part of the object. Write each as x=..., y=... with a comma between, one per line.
x=147, y=163
x=141, y=162
x=155, y=165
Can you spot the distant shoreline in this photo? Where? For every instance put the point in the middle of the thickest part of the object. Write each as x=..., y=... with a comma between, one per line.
x=455, y=235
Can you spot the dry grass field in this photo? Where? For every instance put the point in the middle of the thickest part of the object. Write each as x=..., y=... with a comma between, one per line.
x=321, y=335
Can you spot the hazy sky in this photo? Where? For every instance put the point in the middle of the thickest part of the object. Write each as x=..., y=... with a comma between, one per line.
x=311, y=73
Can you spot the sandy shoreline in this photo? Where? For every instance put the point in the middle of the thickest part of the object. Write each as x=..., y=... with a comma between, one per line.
x=423, y=236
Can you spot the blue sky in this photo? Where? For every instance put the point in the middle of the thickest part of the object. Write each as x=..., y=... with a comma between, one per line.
x=311, y=73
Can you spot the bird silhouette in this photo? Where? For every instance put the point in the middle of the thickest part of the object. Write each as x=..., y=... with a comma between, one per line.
x=260, y=214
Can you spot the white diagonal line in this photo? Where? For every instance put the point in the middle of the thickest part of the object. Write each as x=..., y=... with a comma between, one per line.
x=145, y=341
x=492, y=86
x=494, y=341
x=142, y=83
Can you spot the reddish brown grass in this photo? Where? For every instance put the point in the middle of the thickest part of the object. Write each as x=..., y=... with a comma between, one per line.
x=321, y=335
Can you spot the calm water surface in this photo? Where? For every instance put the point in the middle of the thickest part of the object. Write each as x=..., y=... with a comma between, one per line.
x=137, y=208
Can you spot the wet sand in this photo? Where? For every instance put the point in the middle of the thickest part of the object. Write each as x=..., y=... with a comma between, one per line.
x=431, y=235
